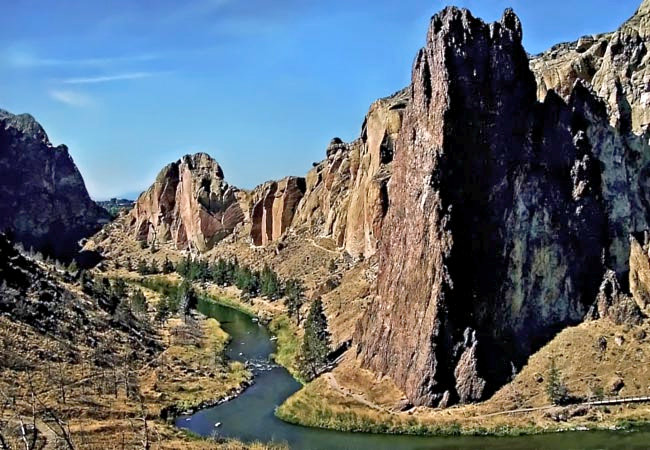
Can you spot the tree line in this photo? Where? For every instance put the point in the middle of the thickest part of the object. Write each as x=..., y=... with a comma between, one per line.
x=316, y=344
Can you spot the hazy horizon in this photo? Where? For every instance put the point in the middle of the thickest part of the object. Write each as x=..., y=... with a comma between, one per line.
x=261, y=86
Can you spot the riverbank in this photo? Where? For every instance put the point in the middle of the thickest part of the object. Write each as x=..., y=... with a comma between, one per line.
x=594, y=359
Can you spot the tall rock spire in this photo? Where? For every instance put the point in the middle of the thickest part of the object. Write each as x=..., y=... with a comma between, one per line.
x=497, y=235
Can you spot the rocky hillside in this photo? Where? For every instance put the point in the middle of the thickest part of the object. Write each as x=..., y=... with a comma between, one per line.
x=504, y=216
x=190, y=205
x=45, y=204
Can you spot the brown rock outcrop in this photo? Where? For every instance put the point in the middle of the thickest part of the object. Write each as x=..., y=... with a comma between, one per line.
x=614, y=64
x=44, y=202
x=274, y=205
x=190, y=204
x=613, y=304
x=639, y=274
x=346, y=197
x=504, y=214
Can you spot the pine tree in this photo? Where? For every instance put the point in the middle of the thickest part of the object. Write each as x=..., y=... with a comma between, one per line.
x=294, y=298
x=162, y=310
x=182, y=267
x=188, y=299
x=556, y=388
x=316, y=341
x=167, y=266
x=143, y=268
x=119, y=289
x=73, y=268
x=153, y=268
x=269, y=283
x=138, y=302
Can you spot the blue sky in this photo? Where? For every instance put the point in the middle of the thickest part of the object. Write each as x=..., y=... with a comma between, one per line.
x=261, y=85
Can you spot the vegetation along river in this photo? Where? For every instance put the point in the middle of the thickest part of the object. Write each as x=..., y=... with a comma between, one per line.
x=250, y=417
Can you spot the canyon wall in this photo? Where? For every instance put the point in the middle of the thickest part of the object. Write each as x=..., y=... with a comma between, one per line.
x=273, y=207
x=504, y=215
x=346, y=197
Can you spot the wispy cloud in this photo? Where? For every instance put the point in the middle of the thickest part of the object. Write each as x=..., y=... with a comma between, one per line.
x=71, y=98
x=109, y=78
x=23, y=59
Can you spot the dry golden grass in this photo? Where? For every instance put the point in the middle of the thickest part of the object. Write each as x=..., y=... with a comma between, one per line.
x=354, y=399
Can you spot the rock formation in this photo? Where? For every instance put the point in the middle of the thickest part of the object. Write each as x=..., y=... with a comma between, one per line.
x=190, y=204
x=45, y=204
x=346, y=196
x=274, y=206
x=613, y=304
x=615, y=64
x=504, y=214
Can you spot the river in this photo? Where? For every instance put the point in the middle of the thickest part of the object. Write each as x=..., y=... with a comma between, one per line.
x=250, y=417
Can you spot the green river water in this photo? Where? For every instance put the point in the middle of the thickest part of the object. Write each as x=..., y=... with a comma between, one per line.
x=250, y=417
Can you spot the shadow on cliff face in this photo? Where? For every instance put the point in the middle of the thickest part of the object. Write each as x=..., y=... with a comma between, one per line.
x=504, y=215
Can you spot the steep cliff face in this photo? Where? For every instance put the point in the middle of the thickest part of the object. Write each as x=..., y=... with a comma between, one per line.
x=345, y=196
x=190, y=204
x=273, y=208
x=45, y=203
x=504, y=215
x=615, y=64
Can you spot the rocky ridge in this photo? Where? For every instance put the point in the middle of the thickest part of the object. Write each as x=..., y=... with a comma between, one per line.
x=504, y=215
x=45, y=204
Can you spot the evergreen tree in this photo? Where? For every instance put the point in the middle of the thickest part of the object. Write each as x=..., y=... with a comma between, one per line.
x=188, y=300
x=269, y=283
x=153, y=268
x=294, y=298
x=143, y=268
x=182, y=267
x=162, y=310
x=73, y=268
x=556, y=389
x=167, y=266
x=316, y=342
x=138, y=302
x=86, y=281
x=119, y=289
x=129, y=265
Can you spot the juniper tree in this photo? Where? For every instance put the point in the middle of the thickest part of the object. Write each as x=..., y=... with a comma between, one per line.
x=138, y=302
x=153, y=267
x=188, y=299
x=73, y=268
